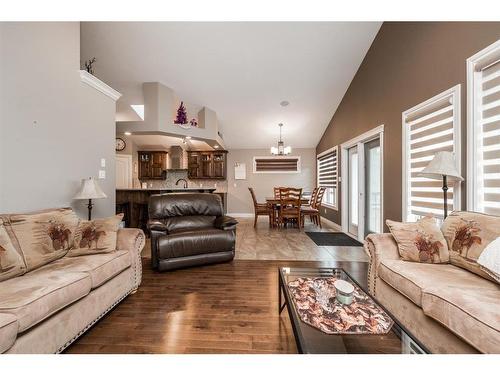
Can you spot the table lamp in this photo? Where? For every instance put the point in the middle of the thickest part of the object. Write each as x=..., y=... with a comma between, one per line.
x=90, y=189
x=442, y=167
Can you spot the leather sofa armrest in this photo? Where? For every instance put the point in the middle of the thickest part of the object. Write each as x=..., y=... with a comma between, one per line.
x=157, y=226
x=378, y=247
x=225, y=223
x=132, y=240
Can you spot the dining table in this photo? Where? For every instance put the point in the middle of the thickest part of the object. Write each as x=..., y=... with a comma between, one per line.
x=274, y=202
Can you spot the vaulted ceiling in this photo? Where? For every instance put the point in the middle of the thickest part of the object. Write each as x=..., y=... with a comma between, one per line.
x=242, y=71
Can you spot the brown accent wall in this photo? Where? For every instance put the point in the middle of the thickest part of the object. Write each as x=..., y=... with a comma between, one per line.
x=408, y=63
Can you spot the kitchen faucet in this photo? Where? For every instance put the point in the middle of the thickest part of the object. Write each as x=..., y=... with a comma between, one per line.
x=185, y=182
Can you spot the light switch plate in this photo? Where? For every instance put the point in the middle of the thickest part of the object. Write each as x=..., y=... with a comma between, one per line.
x=103, y=163
x=102, y=174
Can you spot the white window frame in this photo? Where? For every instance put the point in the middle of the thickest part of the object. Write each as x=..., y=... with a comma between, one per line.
x=473, y=116
x=331, y=149
x=454, y=94
x=299, y=164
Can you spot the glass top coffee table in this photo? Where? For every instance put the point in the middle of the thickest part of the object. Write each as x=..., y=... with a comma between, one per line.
x=312, y=340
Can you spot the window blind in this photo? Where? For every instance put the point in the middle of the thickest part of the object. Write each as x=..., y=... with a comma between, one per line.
x=429, y=128
x=327, y=169
x=277, y=164
x=487, y=139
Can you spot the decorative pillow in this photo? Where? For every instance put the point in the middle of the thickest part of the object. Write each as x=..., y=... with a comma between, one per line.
x=44, y=236
x=11, y=262
x=421, y=241
x=489, y=260
x=96, y=236
x=467, y=234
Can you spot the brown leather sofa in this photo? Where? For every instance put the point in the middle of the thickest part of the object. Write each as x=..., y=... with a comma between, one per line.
x=189, y=230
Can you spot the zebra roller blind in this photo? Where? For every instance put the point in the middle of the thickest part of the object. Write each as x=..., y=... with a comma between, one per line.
x=429, y=127
x=276, y=164
x=484, y=135
x=327, y=175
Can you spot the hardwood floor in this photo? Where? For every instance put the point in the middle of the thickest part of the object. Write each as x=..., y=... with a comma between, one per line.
x=223, y=308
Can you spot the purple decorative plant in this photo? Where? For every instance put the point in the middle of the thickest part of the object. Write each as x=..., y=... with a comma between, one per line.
x=181, y=117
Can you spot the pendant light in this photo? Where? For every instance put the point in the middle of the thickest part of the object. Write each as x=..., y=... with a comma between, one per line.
x=281, y=149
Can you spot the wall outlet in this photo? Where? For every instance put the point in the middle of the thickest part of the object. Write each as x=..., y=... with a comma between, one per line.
x=103, y=163
x=102, y=174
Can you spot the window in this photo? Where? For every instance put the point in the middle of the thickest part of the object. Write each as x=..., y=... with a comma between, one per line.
x=430, y=127
x=327, y=175
x=483, y=131
x=276, y=164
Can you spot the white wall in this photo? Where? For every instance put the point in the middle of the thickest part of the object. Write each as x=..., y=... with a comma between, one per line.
x=239, y=199
x=54, y=129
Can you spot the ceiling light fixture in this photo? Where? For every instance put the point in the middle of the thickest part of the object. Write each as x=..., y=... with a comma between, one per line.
x=128, y=133
x=216, y=146
x=188, y=137
x=281, y=149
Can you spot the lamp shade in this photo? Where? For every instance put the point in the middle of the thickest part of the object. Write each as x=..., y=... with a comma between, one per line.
x=443, y=164
x=89, y=189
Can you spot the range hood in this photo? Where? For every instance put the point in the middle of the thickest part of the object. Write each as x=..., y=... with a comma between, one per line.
x=176, y=158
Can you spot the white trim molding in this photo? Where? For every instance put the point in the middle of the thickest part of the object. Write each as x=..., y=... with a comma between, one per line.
x=99, y=85
x=475, y=64
x=240, y=214
x=359, y=141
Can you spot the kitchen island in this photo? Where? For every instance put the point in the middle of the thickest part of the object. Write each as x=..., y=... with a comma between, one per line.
x=133, y=202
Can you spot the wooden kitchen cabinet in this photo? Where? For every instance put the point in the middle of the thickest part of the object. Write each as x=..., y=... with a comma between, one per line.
x=207, y=164
x=152, y=164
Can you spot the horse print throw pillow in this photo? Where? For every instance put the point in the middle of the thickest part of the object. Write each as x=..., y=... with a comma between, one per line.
x=421, y=242
x=44, y=236
x=468, y=234
x=96, y=236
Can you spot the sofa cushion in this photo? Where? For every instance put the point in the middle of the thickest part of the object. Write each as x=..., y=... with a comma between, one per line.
x=96, y=236
x=191, y=243
x=36, y=295
x=422, y=241
x=100, y=267
x=11, y=261
x=411, y=279
x=472, y=314
x=8, y=331
x=467, y=234
x=44, y=236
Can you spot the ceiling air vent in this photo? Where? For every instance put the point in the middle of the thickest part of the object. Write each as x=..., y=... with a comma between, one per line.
x=277, y=164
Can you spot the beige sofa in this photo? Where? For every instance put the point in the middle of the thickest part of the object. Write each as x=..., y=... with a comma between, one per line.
x=47, y=308
x=447, y=308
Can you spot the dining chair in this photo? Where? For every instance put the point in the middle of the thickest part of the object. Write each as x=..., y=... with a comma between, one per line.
x=277, y=191
x=289, y=209
x=313, y=211
x=260, y=209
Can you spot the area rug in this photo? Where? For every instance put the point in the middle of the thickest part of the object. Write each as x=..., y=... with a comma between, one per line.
x=332, y=239
x=315, y=301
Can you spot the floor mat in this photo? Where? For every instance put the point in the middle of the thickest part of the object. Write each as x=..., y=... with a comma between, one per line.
x=332, y=239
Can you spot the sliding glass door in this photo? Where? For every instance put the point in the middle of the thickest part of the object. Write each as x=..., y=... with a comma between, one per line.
x=362, y=184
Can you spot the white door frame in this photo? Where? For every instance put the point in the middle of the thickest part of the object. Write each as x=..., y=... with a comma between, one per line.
x=360, y=141
x=128, y=159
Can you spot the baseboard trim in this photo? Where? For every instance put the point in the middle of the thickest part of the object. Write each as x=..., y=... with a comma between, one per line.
x=240, y=214
x=331, y=223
